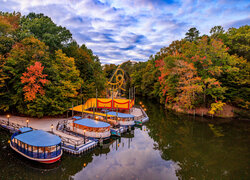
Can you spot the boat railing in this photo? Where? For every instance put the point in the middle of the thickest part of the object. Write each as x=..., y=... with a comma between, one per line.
x=15, y=126
x=39, y=155
x=72, y=141
x=144, y=115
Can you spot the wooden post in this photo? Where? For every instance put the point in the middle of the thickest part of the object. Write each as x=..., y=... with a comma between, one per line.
x=82, y=107
x=134, y=94
x=72, y=109
x=94, y=113
x=67, y=112
x=106, y=114
x=96, y=98
x=116, y=113
x=129, y=100
x=112, y=102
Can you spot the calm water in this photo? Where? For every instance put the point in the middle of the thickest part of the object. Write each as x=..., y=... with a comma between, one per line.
x=169, y=146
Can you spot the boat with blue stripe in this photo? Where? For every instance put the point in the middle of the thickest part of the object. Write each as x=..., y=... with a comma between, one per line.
x=37, y=145
x=90, y=128
x=123, y=119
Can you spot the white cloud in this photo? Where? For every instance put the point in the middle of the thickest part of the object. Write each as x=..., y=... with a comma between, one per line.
x=120, y=30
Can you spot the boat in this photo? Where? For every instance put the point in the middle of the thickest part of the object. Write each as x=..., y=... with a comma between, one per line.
x=123, y=119
x=91, y=128
x=37, y=145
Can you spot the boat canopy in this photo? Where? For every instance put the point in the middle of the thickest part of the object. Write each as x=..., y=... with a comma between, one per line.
x=121, y=115
x=25, y=129
x=39, y=138
x=77, y=117
x=92, y=123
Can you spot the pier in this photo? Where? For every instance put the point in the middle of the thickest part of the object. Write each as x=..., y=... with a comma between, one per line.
x=71, y=143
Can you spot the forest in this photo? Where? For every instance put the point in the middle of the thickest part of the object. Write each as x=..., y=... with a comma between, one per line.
x=43, y=69
x=207, y=71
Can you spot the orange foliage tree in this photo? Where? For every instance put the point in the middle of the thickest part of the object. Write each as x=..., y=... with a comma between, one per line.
x=34, y=81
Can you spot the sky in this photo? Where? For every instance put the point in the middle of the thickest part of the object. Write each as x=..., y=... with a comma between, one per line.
x=122, y=30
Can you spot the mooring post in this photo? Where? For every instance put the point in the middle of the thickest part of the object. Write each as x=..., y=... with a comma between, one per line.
x=72, y=109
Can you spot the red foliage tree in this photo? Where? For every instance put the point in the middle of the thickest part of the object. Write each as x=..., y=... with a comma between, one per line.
x=34, y=81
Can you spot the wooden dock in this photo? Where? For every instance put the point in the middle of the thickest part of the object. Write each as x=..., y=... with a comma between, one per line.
x=11, y=127
x=70, y=143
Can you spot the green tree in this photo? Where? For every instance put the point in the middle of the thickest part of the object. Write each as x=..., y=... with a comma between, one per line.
x=217, y=32
x=109, y=69
x=192, y=34
x=44, y=29
x=90, y=69
x=65, y=83
x=238, y=41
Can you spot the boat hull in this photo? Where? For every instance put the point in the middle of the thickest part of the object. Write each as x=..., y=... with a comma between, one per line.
x=44, y=161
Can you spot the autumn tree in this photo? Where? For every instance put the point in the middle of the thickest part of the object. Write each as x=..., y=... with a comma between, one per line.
x=22, y=55
x=3, y=78
x=34, y=80
x=9, y=23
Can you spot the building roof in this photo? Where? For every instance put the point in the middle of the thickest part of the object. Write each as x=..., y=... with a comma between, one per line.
x=121, y=115
x=91, y=123
x=38, y=138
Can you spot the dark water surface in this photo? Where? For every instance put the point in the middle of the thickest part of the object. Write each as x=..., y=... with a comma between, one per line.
x=169, y=146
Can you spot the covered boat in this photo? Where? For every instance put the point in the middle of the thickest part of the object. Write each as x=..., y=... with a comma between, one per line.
x=91, y=128
x=37, y=145
x=123, y=119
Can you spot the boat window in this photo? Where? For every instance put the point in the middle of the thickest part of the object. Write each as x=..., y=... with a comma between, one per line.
x=34, y=149
x=30, y=148
x=41, y=149
x=53, y=148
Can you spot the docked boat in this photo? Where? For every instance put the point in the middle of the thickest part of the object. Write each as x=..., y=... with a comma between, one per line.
x=91, y=128
x=37, y=145
x=123, y=119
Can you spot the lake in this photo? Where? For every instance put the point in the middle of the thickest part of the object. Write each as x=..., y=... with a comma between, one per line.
x=169, y=146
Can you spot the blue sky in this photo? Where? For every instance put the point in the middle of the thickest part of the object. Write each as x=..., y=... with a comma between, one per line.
x=121, y=30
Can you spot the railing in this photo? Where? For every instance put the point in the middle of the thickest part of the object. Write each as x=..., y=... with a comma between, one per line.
x=15, y=126
x=144, y=115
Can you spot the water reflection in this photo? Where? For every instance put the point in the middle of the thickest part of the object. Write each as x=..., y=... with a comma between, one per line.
x=203, y=148
x=169, y=146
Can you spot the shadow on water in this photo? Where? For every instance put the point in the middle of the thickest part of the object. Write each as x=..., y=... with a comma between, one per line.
x=169, y=146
